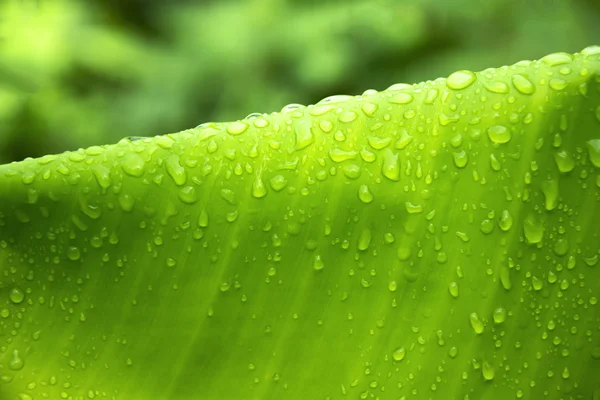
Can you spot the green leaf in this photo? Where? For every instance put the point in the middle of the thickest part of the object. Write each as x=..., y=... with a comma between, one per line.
x=434, y=241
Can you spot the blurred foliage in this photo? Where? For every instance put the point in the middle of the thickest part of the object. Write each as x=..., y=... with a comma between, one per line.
x=75, y=74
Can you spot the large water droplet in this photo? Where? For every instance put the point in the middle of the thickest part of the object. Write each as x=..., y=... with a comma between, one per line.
x=318, y=263
x=550, y=191
x=391, y=166
x=237, y=127
x=399, y=354
x=175, y=170
x=460, y=158
x=16, y=295
x=533, y=229
x=476, y=323
x=564, y=161
x=523, y=84
x=594, y=151
x=304, y=134
x=506, y=221
x=499, y=134
x=259, y=190
x=133, y=165
x=460, y=79
x=364, y=194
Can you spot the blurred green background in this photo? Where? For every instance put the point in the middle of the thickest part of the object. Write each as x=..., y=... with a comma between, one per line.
x=79, y=73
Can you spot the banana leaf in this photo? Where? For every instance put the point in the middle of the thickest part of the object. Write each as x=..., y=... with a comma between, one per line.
x=430, y=241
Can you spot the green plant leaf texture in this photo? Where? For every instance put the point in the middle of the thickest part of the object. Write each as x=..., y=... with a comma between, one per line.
x=430, y=241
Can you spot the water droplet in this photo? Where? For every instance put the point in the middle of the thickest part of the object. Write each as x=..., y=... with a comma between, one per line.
x=476, y=323
x=187, y=195
x=460, y=79
x=237, y=128
x=369, y=109
x=399, y=354
x=487, y=371
x=555, y=59
x=175, y=170
x=336, y=99
x=533, y=229
x=278, y=183
x=496, y=87
x=594, y=151
x=401, y=98
x=460, y=158
x=522, y=84
x=558, y=84
x=564, y=161
x=364, y=241
x=73, y=253
x=352, y=171
x=453, y=289
x=318, y=263
x=494, y=163
x=16, y=295
x=393, y=286
x=537, y=283
x=499, y=134
x=364, y=194
x=16, y=362
x=400, y=86
x=487, y=226
x=338, y=155
x=561, y=247
x=505, y=278
x=133, y=165
x=506, y=221
x=404, y=140
x=102, y=175
x=347, y=116
x=304, y=134
x=228, y=195
x=391, y=166
x=259, y=190
x=550, y=191
x=413, y=208
x=499, y=315
x=590, y=51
